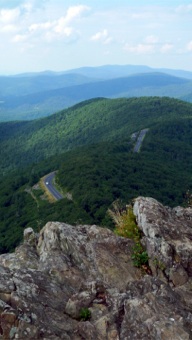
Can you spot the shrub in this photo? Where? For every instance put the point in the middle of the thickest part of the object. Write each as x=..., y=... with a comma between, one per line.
x=84, y=314
x=159, y=264
x=125, y=221
x=139, y=256
x=126, y=226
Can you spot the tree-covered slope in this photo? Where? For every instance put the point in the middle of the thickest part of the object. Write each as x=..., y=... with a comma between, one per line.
x=22, y=143
x=98, y=174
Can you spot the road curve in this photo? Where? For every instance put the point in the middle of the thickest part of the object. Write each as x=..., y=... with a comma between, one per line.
x=48, y=182
x=140, y=140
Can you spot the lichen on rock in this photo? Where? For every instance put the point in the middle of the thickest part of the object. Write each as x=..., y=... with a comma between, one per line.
x=54, y=274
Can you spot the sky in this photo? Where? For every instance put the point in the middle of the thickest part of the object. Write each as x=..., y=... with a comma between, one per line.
x=58, y=35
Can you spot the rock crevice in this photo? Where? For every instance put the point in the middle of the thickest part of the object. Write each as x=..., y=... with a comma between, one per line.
x=53, y=275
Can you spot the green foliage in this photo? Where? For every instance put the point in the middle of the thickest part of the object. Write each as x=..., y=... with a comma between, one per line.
x=159, y=264
x=22, y=206
x=99, y=120
x=125, y=222
x=126, y=226
x=139, y=256
x=96, y=174
x=84, y=314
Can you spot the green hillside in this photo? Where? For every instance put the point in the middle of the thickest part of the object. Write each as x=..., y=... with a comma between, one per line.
x=97, y=175
x=91, y=147
x=23, y=143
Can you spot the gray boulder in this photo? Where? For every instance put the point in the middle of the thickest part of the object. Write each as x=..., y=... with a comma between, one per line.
x=55, y=276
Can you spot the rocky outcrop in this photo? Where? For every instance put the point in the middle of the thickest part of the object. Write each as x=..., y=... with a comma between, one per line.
x=53, y=277
x=167, y=238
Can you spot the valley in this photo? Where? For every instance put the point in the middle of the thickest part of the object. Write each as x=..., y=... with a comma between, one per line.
x=95, y=170
x=90, y=145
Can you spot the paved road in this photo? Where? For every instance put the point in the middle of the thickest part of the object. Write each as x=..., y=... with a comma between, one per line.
x=140, y=140
x=48, y=182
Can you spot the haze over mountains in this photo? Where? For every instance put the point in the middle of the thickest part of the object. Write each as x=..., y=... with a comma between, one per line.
x=114, y=71
x=35, y=95
x=90, y=144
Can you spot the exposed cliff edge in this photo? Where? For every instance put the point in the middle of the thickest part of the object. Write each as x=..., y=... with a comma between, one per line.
x=49, y=279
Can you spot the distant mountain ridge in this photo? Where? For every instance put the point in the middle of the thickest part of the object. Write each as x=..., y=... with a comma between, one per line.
x=110, y=71
x=46, y=94
x=116, y=71
x=103, y=88
x=35, y=83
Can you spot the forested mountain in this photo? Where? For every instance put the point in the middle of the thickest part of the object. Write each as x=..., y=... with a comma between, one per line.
x=92, y=148
x=23, y=143
x=37, y=96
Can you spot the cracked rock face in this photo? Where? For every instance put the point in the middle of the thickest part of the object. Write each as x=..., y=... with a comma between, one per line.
x=167, y=238
x=49, y=279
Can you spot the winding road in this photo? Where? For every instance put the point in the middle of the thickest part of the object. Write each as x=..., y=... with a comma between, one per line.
x=140, y=140
x=48, y=179
x=48, y=182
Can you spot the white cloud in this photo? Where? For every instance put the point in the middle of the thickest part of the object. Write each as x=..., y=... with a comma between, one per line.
x=166, y=48
x=9, y=28
x=51, y=30
x=140, y=48
x=67, y=34
x=64, y=30
x=102, y=36
x=61, y=27
x=9, y=15
x=75, y=12
x=151, y=39
x=40, y=27
x=9, y=20
x=148, y=32
x=147, y=46
x=19, y=38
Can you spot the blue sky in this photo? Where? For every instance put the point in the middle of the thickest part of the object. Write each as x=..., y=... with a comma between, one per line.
x=37, y=35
